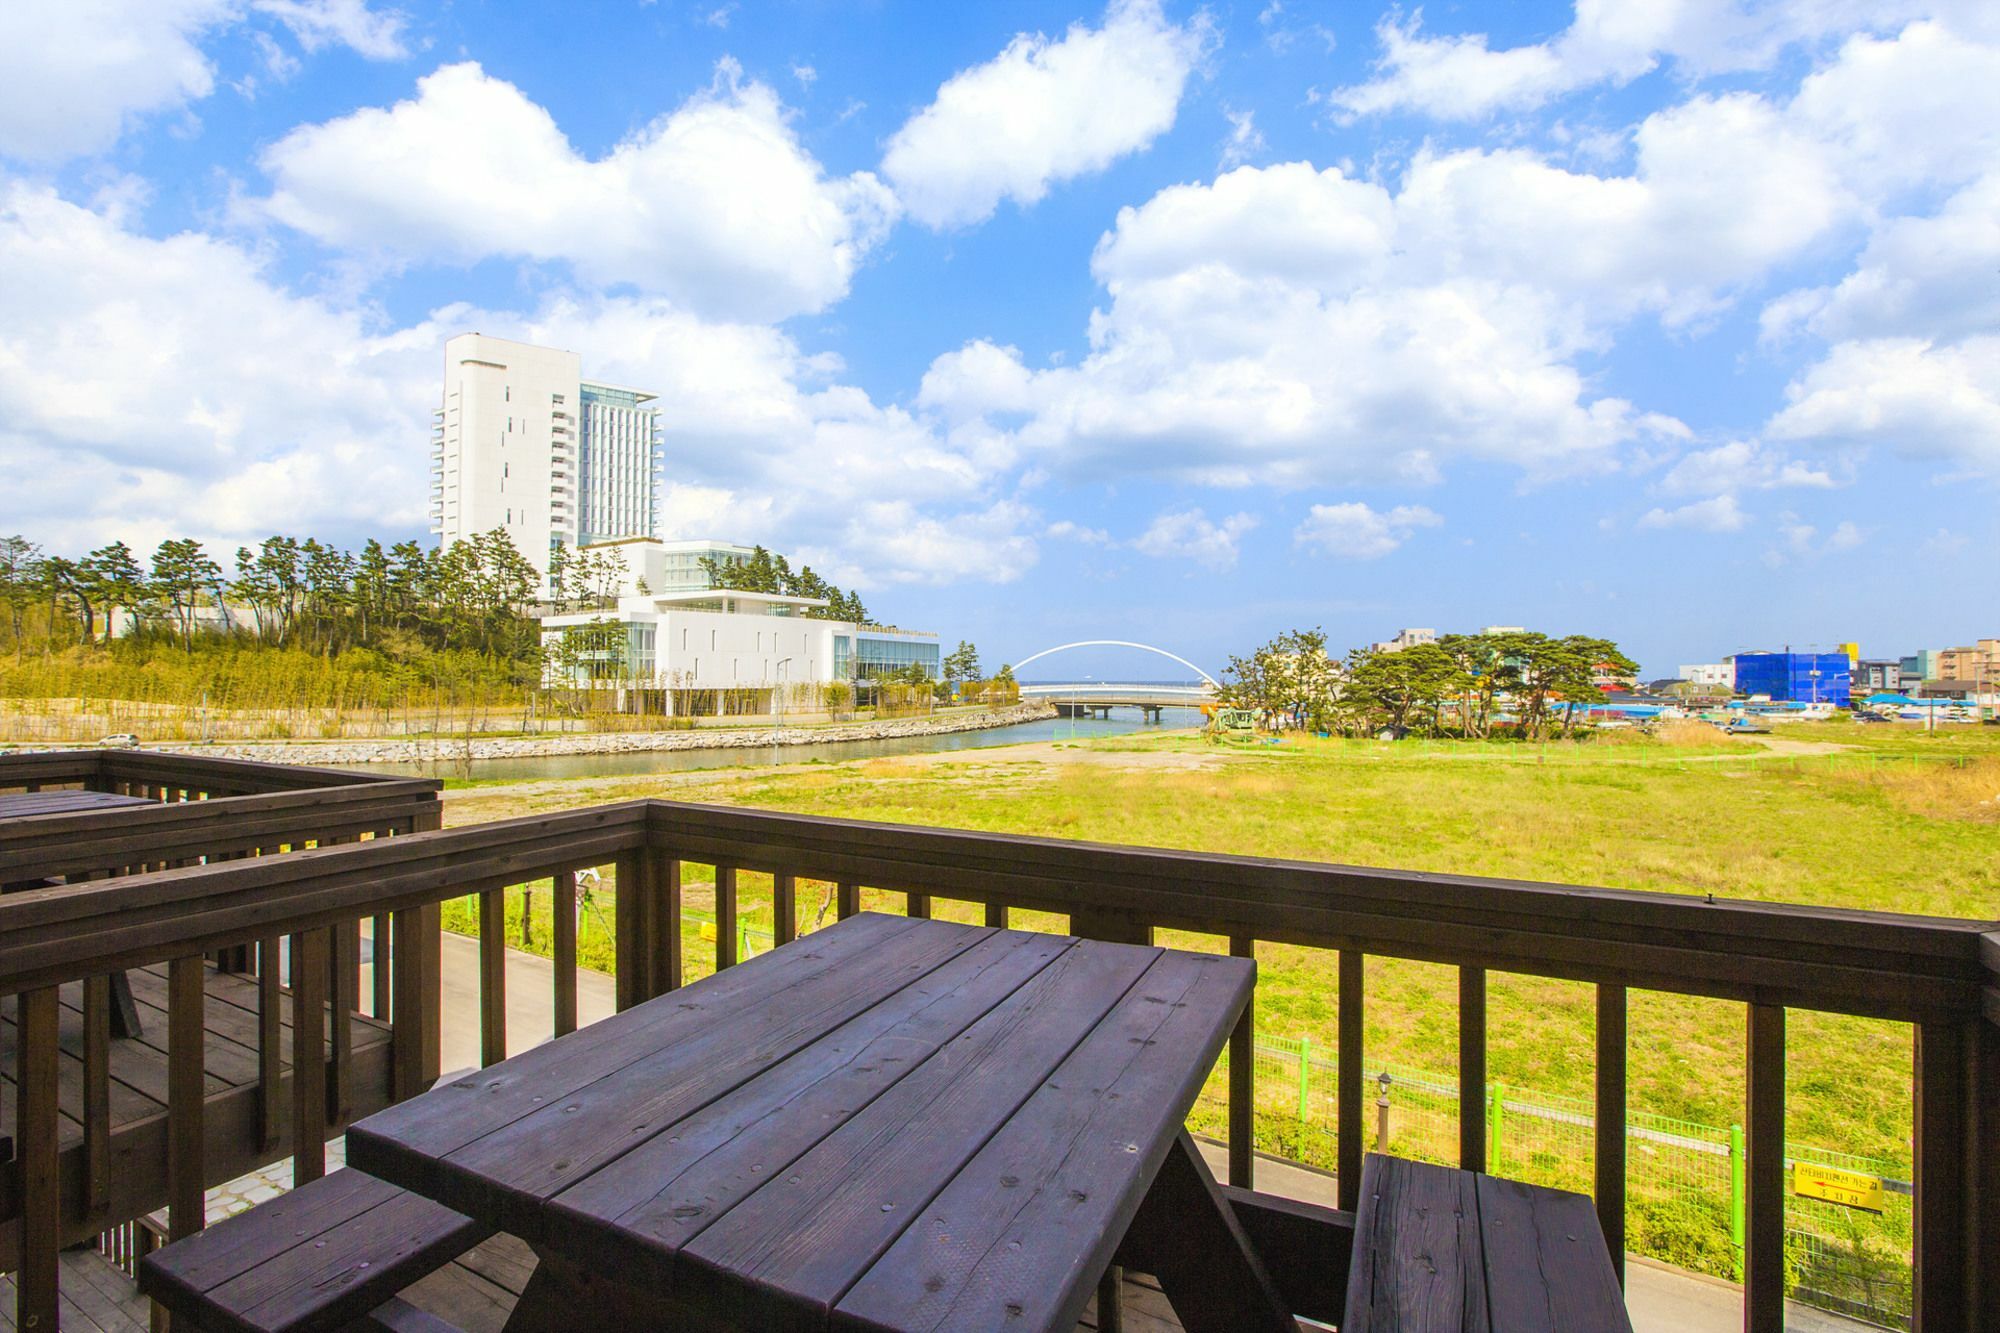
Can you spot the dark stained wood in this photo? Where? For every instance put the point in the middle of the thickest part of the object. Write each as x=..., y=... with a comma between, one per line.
x=378, y=965
x=847, y=899
x=1347, y=1082
x=563, y=950
x=628, y=930
x=270, y=1028
x=96, y=1093
x=1472, y=1068
x=36, y=1306
x=318, y=1257
x=343, y=1003
x=917, y=905
x=1609, y=1112
x=784, y=907
x=996, y=915
x=492, y=977
x=407, y=931
x=1938, y=1256
x=20, y=805
x=1764, y=1175
x=1186, y=1232
x=1307, y=1248
x=186, y=1098
x=664, y=914
x=1546, y=1264
x=725, y=917
x=1416, y=1261
x=1982, y=1151
x=768, y=1140
x=311, y=960
x=1243, y=1082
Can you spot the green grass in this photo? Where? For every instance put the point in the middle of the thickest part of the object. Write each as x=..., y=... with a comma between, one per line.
x=1847, y=829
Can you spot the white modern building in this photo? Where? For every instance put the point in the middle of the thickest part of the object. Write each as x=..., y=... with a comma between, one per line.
x=523, y=443
x=1716, y=675
x=1408, y=638
x=667, y=633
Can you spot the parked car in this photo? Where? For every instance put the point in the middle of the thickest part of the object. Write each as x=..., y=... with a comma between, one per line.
x=1743, y=726
x=122, y=740
x=1872, y=717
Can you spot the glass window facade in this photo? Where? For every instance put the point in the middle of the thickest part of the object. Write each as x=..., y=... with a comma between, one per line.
x=879, y=656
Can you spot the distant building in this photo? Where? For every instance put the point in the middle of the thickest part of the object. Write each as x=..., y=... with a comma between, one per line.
x=522, y=443
x=1503, y=629
x=1879, y=673
x=1919, y=667
x=1713, y=675
x=1408, y=638
x=1978, y=664
x=687, y=650
x=654, y=566
x=1796, y=677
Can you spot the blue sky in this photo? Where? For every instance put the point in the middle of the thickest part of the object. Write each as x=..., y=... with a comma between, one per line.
x=1672, y=320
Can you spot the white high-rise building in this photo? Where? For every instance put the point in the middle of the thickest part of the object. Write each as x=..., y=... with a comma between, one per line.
x=522, y=442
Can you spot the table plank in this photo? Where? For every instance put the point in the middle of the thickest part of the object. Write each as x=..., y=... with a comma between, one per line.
x=1416, y=1255
x=507, y=1175
x=1075, y=1160
x=457, y=1113
x=21, y=805
x=636, y=1213
x=1546, y=1264
x=786, y=1254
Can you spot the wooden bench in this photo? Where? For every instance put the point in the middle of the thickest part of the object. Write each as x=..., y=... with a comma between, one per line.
x=331, y=1254
x=1438, y=1250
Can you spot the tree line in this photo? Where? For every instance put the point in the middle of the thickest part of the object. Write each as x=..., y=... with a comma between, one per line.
x=766, y=572
x=1459, y=685
x=473, y=596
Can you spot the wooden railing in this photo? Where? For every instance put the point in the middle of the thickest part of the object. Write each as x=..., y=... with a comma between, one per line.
x=1942, y=976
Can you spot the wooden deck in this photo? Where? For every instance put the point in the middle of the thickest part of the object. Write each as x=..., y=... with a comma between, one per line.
x=138, y=1092
x=97, y=1297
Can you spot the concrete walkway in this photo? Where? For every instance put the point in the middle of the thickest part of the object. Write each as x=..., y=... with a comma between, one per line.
x=1661, y=1299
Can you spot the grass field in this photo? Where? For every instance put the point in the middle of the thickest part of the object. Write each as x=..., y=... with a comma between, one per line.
x=1829, y=814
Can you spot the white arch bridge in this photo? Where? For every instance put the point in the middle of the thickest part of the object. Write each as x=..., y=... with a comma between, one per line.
x=1072, y=699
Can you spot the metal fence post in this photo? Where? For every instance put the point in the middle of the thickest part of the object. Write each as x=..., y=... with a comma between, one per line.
x=1736, y=1193
x=1305, y=1075
x=1382, y=1081
x=1496, y=1118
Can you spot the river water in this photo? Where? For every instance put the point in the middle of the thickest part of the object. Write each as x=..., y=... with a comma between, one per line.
x=1121, y=722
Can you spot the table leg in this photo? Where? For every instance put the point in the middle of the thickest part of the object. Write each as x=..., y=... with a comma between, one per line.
x=124, y=1012
x=1187, y=1236
x=563, y=1296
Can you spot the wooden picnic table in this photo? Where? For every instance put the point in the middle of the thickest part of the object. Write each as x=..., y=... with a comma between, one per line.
x=888, y=1124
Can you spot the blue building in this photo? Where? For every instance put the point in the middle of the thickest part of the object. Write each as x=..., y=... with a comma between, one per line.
x=1826, y=678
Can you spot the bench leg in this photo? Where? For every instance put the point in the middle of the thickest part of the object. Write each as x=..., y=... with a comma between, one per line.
x=1187, y=1235
x=562, y=1297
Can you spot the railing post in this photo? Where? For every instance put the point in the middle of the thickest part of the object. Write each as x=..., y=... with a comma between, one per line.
x=414, y=1036
x=1348, y=1079
x=38, y=1120
x=310, y=970
x=1242, y=1077
x=1497, y=1124
x=492, y=977
x=563, y=949
x=1764, y=1244
x=727, y=952
x=1983, y=1150
x=663, y=880
x=186, y=1098
x=1471, y=1067
x=1609, y=1113
x=784, y=908
x=1305, y=1076
x=631, y=948
x=1943, y=1168
x=847, y=900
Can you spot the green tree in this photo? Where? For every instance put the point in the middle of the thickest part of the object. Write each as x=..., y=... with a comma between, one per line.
x=1292, y=676
x=1401, y=689
x=20, y=580
x=183, y=575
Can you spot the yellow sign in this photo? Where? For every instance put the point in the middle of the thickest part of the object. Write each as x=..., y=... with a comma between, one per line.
x=1849, y=1189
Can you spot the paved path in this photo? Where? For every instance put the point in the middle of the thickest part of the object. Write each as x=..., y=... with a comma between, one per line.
x=1661, y=1299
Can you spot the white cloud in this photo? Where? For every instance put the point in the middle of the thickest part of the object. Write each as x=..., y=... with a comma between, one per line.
x=1066, y=530
x=715, y=205
x=1356, y=531
x=1043, y=112
x=1462, y=77
x=1799, y=540
x=1190, y=534
x=74, y=73
x=1927, y=401
x=1281, y=326
x=149, y=388
x=376, y=34
x=1741, y=465
x=1719, y=514
x=1245, y=140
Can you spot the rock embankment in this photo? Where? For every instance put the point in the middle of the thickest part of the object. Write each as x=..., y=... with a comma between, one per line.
x=458, y=750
